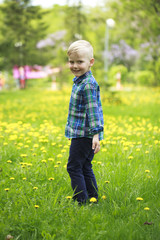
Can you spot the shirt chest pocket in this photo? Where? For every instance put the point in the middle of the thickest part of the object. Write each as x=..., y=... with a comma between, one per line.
x=77, y=101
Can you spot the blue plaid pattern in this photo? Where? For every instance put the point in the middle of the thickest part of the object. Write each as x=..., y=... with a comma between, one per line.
x=85, y=116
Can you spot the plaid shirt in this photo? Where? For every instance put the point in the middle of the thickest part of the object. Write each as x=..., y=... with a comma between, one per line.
x=85, y=116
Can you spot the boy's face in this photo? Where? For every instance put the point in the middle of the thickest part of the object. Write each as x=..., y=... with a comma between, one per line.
x=79, y=63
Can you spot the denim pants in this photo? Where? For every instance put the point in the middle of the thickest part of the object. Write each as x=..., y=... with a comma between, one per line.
x=79, y=167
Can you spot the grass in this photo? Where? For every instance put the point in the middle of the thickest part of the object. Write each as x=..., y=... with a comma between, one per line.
x=34, y=183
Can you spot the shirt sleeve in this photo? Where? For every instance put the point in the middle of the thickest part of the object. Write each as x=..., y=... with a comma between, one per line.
x=92, y=108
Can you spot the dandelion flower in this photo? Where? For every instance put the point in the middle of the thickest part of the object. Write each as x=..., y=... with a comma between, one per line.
x=107, y=181
x=5, y=143
x=59, y=155
x=6, y=189
x=139, y=199
x=35, y=188
x=103, y=197
x=35, y=145
x=36, y=206
x=69, y=197
x=147, y=171
x=23, y=155
x=9, y=161
x=146, y=152
x=130, y=157
x=125, y=148
x=99, y=163
x=29, y=164
x=146, y=208
x=43, y=161
x=104, y=150
x=24, y=178
x=93, y=200
x=51, y=178
x=12, y=178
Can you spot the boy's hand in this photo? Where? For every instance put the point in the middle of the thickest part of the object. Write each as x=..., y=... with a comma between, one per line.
x=96, y=143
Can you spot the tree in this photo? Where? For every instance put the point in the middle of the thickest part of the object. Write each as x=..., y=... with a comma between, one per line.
x=22, y=28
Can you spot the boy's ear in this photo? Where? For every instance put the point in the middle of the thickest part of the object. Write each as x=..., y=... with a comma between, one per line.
x=91, y=62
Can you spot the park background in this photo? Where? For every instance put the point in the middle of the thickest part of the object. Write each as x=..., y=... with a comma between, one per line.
x=35, y=192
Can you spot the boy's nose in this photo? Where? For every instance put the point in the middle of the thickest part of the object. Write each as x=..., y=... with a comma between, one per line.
x=75, y=65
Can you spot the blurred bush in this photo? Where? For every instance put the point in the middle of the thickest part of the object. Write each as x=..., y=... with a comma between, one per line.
x=113, y=72
x=144, y=78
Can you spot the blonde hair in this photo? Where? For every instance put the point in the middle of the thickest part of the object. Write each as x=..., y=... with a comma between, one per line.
x=81, y=45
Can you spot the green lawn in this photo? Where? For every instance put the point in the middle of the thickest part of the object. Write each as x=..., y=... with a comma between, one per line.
x=35, y=187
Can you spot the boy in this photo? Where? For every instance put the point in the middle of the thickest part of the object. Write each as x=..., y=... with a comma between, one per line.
x=85, y=122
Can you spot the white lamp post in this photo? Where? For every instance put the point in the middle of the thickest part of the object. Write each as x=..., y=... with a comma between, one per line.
x=110, y=23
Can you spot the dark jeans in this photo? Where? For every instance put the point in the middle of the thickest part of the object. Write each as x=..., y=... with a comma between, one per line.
x=79, y=167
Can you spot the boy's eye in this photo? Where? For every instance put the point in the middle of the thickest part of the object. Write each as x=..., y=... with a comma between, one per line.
x=71, y=62
x=79, y=62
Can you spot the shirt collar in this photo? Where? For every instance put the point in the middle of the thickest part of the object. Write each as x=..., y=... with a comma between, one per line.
x=79, y=79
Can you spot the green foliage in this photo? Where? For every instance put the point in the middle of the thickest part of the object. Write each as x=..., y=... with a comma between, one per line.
x=117, y=69
x=157, y=71
x=145, y=78
x=22, y=29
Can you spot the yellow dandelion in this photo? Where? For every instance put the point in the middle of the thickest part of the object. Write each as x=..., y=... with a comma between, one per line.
x=147, y=171
x=26, y=146
x=59, y=162
x=43, y=161
x=146, y=152
x=5, y=143
x=20, y=144
x=146, y=208
x=9, y=161
x=12, y=178
x=36, y=206
x=125, y=148
x=63, y=150
x=69, y=197
x=138, y=150
x=51, y=178
x=93, y=200
x=55, y=166
x=34, y=154
x=35, y=145
x=53, y=144
x=103, y=197
x=7, y=189
x=29, y=164
x=107, y=181
x=99, y=163
x=50, y=159
x=24, y=178
x=104, y=150
x=130, y=157
x=35, y=188
x=139, y=199
x=59, y=155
